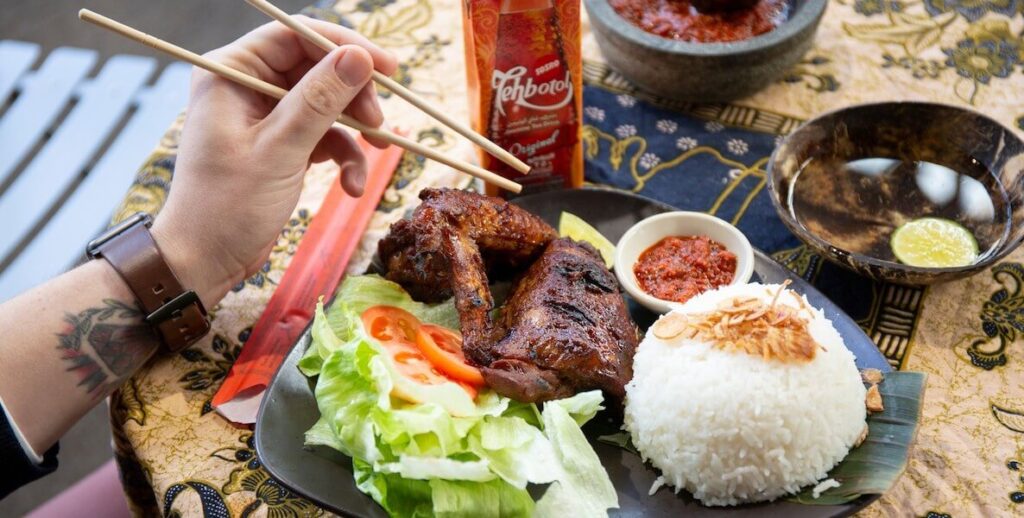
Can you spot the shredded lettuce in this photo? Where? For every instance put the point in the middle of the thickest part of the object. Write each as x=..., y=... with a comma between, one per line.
x=447, y=456
x=583, y=488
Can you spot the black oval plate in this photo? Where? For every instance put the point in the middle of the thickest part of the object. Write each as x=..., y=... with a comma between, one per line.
x=325, y=476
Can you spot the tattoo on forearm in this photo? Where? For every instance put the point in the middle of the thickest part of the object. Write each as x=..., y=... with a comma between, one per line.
x=103, y=345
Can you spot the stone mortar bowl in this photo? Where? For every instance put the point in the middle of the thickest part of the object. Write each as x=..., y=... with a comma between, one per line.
x=703, y=72
x=962, y=140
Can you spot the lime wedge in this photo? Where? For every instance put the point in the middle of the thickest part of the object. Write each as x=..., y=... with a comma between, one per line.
x=934, y=243
x=571, y=226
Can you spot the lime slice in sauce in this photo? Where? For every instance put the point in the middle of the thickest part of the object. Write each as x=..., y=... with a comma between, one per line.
x=934, y=243
x=571, y=226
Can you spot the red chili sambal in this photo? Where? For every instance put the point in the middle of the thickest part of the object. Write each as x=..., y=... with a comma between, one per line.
x=679, y=268
x=680, y=20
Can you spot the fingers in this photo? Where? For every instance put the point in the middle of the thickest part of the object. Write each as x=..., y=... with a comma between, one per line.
x=384, y=62
x=338, y=145
x=376, y=142
x=301, y=118
x=365, y=107
x=281, y=49
x=239, y=57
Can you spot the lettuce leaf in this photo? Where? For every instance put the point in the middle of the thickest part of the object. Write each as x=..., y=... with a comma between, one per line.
x=407, y=497
x=348, y=397
x=461, y=499
x=358, y=293
x=321, y=434
x=516, y=451
x=398, y=496
x=583, y=488
x=448, y=455
x=355, y=295
x=325, y=341
x=427, y=468
x=582, y=407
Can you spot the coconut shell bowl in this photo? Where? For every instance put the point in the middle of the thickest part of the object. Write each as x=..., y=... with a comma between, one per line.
x=846, y=183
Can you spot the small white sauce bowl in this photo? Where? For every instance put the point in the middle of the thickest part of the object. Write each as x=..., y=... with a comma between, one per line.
x=648, y=232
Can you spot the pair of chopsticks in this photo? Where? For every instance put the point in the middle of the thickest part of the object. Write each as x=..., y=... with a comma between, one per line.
x=328, y=45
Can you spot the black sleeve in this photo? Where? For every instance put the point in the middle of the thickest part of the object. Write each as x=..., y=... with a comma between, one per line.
x=16, y=468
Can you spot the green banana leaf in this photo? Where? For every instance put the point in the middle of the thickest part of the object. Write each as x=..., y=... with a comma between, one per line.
x=620, y=439
x=875, y=465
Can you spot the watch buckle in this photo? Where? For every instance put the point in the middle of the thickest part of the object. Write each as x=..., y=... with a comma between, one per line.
x=174, y=307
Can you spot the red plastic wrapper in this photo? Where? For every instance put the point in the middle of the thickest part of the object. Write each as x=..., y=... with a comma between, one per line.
x=317, y=268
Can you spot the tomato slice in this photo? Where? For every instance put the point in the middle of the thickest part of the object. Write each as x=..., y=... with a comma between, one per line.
x=396, y=330
x=391, y=324
x=443, y=347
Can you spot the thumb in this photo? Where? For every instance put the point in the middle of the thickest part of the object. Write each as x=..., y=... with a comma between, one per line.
x=303, y=116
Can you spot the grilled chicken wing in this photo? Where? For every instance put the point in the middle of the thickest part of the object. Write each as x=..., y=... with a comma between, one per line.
x=505, y=237
x=565, y=327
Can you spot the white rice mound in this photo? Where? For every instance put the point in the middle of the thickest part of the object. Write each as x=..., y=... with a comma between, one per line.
x=732, y=428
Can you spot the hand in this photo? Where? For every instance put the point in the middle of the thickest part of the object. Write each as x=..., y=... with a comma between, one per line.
x=242, y=155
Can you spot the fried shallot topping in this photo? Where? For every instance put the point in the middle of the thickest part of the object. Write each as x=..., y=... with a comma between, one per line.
x=873, y=399
x=872, y=376
x=748, y=324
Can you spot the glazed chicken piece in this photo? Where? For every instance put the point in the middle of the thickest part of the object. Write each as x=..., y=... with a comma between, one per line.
x=505, y=237
x=565, y=327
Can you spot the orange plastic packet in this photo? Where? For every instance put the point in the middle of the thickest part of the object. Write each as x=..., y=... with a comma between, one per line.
x=525, y=72
x=315, y=270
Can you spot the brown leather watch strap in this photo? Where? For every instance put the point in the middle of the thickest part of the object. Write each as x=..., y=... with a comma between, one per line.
x=178, y=315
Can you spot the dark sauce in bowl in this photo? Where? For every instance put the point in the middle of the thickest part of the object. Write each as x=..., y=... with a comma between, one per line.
x=856, y=205
x=680, y=20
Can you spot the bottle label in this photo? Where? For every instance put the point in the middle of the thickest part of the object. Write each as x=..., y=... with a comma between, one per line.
x=532, y=113
x=509, y=87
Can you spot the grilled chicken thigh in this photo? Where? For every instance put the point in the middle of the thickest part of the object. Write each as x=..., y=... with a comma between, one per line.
x=564, y=329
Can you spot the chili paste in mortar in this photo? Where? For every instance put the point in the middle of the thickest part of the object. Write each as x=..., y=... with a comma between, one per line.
x=680, y=20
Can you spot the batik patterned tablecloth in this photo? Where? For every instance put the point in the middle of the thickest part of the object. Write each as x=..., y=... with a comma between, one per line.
x=179, y=457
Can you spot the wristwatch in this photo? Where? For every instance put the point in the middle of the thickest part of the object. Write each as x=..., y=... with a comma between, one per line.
x=176, y=314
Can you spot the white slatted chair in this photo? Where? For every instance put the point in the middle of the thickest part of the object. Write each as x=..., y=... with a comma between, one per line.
x=51, y=201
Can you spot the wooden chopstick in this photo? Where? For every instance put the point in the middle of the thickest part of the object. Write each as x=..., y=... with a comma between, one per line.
x=321, y=41
x=278, y=92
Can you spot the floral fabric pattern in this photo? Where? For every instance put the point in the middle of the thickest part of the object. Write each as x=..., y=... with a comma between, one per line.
x=962, y=52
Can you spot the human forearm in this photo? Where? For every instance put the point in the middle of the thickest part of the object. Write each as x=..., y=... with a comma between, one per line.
x=67, y=344
x=238, y=175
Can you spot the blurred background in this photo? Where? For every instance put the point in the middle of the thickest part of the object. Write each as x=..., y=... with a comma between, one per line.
x=199, y=25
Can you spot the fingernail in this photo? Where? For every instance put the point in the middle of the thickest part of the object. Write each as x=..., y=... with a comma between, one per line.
x=352, y=68
x=360, y=174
